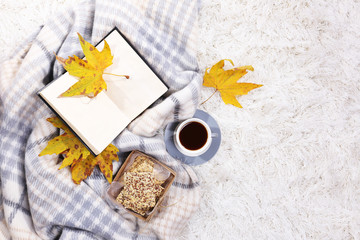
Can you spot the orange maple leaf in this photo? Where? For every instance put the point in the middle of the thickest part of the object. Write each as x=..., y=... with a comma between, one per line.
x=90, y=71
x=78, y=156
x=226, y=82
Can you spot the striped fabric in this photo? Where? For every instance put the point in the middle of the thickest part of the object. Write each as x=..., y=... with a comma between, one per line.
x=40, y=202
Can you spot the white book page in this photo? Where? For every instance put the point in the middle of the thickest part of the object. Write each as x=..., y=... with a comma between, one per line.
x=137, y=93
x=96, y=121
x=99, y=120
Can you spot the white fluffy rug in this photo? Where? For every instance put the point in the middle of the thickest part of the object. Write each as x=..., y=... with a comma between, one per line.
x=289, y=163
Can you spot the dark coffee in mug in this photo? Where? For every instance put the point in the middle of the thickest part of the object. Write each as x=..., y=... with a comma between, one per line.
x=193, y=136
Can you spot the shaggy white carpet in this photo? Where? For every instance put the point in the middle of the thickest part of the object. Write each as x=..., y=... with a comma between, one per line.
x=289, y=162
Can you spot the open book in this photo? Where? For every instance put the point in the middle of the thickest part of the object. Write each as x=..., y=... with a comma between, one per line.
x=97, y=121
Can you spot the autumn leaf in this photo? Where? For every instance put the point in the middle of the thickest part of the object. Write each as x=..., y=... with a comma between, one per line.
x=90, y=71
x=77, y=156
x=226, y=82
x=83, y=168
x=67, y=144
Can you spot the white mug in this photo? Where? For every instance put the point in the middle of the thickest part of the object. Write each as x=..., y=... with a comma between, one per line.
x=193, y=137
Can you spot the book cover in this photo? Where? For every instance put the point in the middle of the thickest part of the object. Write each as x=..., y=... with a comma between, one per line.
x=97, y=121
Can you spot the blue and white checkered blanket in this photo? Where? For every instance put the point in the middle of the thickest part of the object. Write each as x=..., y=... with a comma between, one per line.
x=37, y=200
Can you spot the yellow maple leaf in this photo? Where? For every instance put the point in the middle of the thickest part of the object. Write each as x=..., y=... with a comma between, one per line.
x=83, y=168
x=78, y=156
x=90, y=71
x=226, y=82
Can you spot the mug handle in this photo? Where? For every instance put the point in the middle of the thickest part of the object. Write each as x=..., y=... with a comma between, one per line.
x=214, y=135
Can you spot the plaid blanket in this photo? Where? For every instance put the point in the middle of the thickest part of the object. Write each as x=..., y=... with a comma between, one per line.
x=39, y=201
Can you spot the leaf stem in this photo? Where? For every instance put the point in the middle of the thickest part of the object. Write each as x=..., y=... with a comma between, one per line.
x=126, y=76
x=208, y=98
